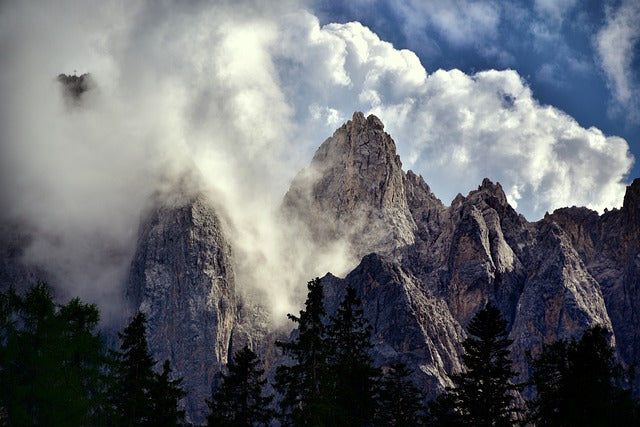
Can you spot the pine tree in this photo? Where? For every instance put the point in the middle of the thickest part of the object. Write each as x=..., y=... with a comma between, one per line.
x=165, y=393
x=140, y=396
x=305, y=384
x=549, y=370
x=354, y=377
x=134, y=375
x=51, y=360
x=400, y=403
x=240, y=400
x=579, y=383
x=484, y=394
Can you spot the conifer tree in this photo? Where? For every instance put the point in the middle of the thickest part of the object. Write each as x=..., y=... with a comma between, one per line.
x=134, y=375
x=354, y=377
x=165, y=393
x=240, y=400
x=305, y=383
x=483, y=394
x=51, y=360
x=578, y=382
x=140, y=396
x=400, y=403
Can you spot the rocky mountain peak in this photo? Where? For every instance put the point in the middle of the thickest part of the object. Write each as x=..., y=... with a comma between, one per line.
x=489, y=189
x=359, y=121
x=354, y=188
x=362, y=146
x=182, y=278
x=73, y=87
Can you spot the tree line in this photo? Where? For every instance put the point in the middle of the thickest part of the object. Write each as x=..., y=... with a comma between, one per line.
x=55, y=370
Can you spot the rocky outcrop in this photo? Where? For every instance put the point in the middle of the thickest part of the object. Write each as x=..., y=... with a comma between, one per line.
x=409, y=324
x=74, y=87
x=354, y=189
x=609, y=246
x=436, y=266
x=182, y=279
x=426, y=268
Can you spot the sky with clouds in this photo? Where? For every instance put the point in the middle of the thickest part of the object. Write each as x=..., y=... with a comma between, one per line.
x=541, y=96
x=581, y=57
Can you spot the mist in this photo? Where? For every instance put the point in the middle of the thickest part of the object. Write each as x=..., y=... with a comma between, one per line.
x=178, y=90
x=240, y=94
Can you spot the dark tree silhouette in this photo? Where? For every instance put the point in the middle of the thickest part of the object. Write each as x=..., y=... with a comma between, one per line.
x=165, y=393
x=133, y=375
x=305, y=383
x=400, y=403
x=579, y=383
x=354, y=377
x=483, y=394
x=140, y=396
x=51, y=360
x=240, y=399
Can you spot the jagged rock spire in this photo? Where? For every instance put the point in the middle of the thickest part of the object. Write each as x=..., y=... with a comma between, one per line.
x=354, y=189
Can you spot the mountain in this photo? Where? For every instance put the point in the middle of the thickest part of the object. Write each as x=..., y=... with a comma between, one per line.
x=426, y=268
x=354, y=188
x=435, y=266
x=182, y=278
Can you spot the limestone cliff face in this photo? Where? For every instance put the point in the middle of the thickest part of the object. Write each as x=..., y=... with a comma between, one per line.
x=409, y=323
x=609, y=246
x=436, y=266
x=426, y=268
x=182, y=279
x=354, y=188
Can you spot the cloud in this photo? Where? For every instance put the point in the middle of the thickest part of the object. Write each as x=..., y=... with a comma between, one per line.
x=241, y=94
x=180, y=89
x=460, y=22
x=617, y=44
x=456, y=128
x=556, y=10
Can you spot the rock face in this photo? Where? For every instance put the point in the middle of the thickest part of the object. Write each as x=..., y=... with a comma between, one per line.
x=609, y=245
x=426, y=268
x=182, y=279
x=73, y=87
x=354, y=188
x=409, y=323
x=436, y=266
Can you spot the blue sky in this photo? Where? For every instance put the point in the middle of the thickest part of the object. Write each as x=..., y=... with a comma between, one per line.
x=552, y=44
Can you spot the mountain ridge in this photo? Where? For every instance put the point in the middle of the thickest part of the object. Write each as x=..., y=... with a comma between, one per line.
x=425, y=268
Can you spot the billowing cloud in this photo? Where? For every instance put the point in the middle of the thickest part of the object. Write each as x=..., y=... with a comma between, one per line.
x=461, y=22
x=455, y=128
x=617, y=44
x=241, y=94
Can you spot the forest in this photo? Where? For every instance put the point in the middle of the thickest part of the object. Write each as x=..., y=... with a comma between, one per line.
x=56, y=370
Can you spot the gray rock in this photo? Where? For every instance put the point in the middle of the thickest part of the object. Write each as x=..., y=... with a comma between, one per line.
x=409, y=324
x=609, y=246
x=182, y=279
x=438, y=265
x=354, y=189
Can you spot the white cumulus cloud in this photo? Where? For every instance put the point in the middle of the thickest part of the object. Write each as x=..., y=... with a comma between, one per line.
x=617, y=44
x=455, y=128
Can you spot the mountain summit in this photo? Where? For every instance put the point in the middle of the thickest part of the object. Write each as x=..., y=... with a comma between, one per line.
x=354, y=188
x=425, y=269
